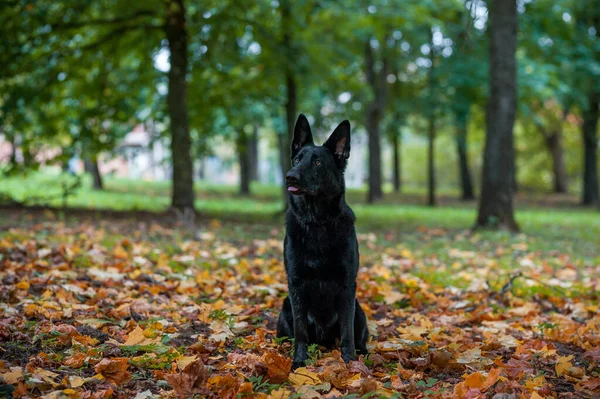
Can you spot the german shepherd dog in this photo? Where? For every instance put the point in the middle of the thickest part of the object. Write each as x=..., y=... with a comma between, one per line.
x=320, y=249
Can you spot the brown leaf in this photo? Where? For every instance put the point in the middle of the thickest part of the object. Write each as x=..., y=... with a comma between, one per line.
x=278, y=366
x=114, y=370
x=227, y=385
x=358, y=366
x=98, y=394
x=189, y=382
x=589, y=384
x=76, y=360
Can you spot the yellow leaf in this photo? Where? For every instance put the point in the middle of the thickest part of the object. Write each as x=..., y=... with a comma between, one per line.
x=69, y=391
x=301, y=376
x=183, y=361
x=536, y=382
x=23, y=285
x=280, y=393
x=536, y=395
x=119, y=252
x=12, y=376
x=137, y=337
x=563, y=364
x=76, y=381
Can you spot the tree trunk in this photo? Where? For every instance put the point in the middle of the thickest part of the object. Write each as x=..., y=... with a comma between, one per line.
x=13, y=151
x=242, y=149
x=590, y=148
x=253, y=154
x=375, y=191
x=431, y=200
x=183, y=181
x=496, y=202
x=291, y=92
x=397, y=144
x=201, y=169
x=466, y=182
x=553, y=142
x=378, y=83
x=91, y=166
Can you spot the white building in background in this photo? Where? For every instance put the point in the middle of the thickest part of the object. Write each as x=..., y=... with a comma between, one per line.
x=142, y=155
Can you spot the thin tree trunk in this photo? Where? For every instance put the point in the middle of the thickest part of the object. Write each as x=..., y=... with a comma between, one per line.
x=201, y=169
x=553, y=142
x=496, y=202
x=466, y=182
x=183, y=181
x=291, y=93
x=242, y=149
x=431, y=199
x=375, y=191
x=253, y=154
x=13, y=151
x=284, y=161
x=377, y=81
x=91, y=166
x=397, y=150
x=591, y=193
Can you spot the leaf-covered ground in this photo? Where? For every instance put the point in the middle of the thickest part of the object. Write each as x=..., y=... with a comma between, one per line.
x=134, y=308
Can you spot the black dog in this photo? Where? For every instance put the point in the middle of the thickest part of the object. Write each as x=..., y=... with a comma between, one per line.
x=320, y=249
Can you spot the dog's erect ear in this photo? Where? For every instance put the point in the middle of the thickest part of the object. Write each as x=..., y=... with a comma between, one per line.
x=339, y=143
x=302, y=135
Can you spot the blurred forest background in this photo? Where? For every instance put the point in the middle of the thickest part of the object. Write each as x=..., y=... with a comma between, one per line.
x=172, y=103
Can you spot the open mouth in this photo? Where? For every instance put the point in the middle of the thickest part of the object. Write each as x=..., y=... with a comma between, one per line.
x=295, y=190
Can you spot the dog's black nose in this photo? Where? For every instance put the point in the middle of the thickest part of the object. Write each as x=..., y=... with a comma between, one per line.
x=292, y=178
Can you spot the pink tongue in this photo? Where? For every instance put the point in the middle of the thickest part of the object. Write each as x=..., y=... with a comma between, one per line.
x=293, y=189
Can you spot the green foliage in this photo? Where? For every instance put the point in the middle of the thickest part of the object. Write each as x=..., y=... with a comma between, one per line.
x=78, y=75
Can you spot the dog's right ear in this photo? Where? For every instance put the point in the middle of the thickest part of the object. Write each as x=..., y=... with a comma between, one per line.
x=302, y=135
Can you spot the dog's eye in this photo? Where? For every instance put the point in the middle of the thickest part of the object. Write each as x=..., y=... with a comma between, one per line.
x=318, y=163
x=296, y=160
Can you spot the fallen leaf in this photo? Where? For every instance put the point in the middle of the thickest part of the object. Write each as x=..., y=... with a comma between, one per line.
x=563, y=364
x=302, y=376
x=76, y=381
x=137, y=337
x=190, y=381
x=114, y=370
x=278, y=366
x=13, y=375
x=227, y=386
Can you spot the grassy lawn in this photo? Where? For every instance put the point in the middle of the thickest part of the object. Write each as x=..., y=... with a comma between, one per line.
x=401, y=211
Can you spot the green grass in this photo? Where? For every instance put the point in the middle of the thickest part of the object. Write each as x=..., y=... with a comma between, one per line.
x=218, y=201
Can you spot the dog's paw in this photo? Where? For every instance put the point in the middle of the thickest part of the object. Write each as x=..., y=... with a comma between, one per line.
x=348, y=357
x=297, y=364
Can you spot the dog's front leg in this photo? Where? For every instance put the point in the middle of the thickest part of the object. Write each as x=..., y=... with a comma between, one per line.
x=300, y=315
x=347, y=328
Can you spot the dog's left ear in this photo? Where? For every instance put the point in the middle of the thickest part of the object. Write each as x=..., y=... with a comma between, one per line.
x=339, y=143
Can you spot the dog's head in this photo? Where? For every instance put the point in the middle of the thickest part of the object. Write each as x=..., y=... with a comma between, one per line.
x=318, y=170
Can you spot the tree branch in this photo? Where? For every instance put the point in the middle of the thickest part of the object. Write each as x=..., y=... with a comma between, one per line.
x=104, y=21
x=123, y=29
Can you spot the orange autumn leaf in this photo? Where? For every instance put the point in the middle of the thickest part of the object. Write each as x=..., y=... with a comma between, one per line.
x=114, y=370
x=76, y=360
x=278, y=366
x=226, y=386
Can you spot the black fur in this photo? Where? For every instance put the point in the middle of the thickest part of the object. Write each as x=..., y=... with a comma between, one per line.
x=320, y=249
